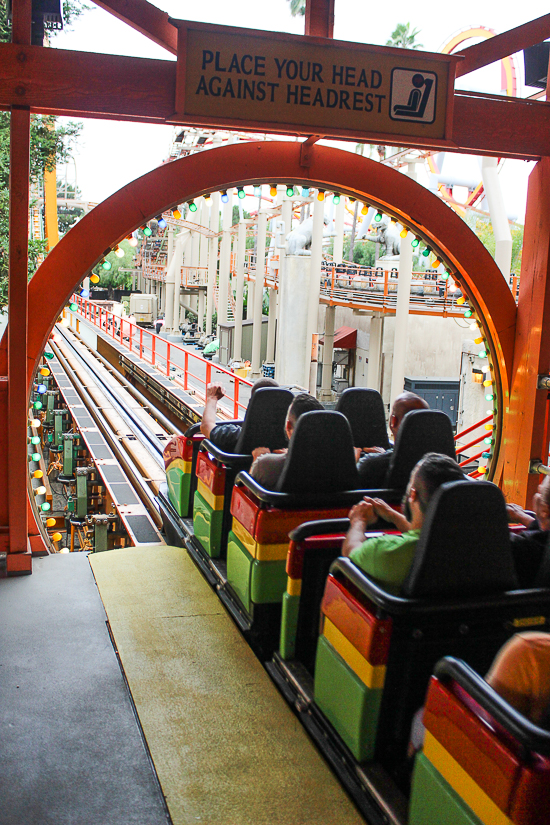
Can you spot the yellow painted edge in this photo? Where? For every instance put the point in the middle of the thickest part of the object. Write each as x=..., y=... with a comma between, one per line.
x=461, y=782
x=261, y=552
x=244, y=536
x=215, y=502
x=293, y=587
x=372, y=676
x=180, y=464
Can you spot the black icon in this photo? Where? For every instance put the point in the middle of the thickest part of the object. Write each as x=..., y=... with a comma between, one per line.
x=418, y=100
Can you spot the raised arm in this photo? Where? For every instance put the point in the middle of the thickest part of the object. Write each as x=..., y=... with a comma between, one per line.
x=213, y=394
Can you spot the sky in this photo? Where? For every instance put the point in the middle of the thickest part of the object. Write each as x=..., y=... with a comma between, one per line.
x=110, y=153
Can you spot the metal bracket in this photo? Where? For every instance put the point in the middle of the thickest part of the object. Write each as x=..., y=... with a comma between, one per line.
x=306, y=150
x=543, y=382
x=536, y=466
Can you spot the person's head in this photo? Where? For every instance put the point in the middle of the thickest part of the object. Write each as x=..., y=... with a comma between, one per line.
x=301, y=404
x=541, y=503
x=403, y=404
x=261, y=383
x=433, y=470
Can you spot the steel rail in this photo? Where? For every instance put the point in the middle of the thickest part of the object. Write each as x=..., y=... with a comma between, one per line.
x=132, y=472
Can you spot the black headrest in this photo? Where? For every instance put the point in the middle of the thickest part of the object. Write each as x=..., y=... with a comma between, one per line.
x=365, y=412
x=320, y=456
x=464, y=548
x=420, y=432
x=264, y=422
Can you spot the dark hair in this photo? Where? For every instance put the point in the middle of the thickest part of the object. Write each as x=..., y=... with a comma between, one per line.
x=431, y=472
x=261, y=383
x=302, y=403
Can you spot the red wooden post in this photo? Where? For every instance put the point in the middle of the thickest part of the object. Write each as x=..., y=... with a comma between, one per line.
x=319, y=16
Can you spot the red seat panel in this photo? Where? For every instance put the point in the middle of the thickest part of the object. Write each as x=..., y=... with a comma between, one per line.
x=211, y=474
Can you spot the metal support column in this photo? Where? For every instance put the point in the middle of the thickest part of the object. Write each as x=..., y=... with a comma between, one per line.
x=258, y=297
x=212, y=260
x=310, y=372
x=241, y=255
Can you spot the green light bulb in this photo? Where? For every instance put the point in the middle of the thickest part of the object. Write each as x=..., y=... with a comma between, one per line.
x=415, y=243
x=35, y=456
x=378, y=217
x=37, y=405
x=487, y=440
x=193, y=205
x=147, y=230
x=240, y=194
x=107, y=265
x=46, y=506
x=73, y=307
x=489, y=396
x=48, y=355
x=336, y=198
x=35, y=439
x=290, y=191
x=426, y=252
x=482, y=354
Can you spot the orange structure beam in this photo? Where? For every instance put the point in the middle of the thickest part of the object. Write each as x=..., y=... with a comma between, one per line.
x=503, y=45
x=526, y=435
x=144, y=18
x=319, y=18
x=13, y=485
x=78, y=84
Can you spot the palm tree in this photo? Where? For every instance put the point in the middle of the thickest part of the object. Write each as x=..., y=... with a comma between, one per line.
x=297, y=7
x=403, y=37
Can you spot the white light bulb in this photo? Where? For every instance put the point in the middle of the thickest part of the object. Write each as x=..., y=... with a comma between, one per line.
x=36, y=422
x=64, y=550
x=65, y=322
x=132, y=241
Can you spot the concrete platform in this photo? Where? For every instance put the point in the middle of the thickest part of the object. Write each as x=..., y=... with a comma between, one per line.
x=71, y=749
x=226, y=747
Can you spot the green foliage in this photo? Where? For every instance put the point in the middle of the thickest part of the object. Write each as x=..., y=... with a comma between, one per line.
x=403, y=37
x=363, y=252
x=484, y=230
x=297, y=7
x=114, y=278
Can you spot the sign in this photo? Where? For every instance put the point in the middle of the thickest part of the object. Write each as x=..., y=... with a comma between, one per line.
x=248, y=79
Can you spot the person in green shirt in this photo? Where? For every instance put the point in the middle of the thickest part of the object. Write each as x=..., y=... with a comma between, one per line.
x=388, y=558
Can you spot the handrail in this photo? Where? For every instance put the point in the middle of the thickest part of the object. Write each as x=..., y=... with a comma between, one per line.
x=146, y=342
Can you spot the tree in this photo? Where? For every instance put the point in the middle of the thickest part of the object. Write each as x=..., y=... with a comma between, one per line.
x=114, y=278
x=297, y=7
x=403, y=38
x=50, y=145
x=67, y=215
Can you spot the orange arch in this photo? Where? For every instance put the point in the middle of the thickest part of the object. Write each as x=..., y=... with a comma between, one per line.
x=276, y=162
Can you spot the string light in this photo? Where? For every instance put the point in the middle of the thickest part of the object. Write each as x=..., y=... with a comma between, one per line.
x=290, y=191
x=489, y=412
x=107, y=265
x=40, y=491
x=378, y=216
x=240, y=193
x=65, y=322
x=46, y=506
x=84, y=293
x=475, y=327
x=488, y=383
x=273, y=190
x=486, y=368
x=482, y=470
x=336, y=198
x=37, y=405
x=56, y=537
x=94, y=279
x=257, y=191
x=38, y=474
x=176, y=213
x=477, y=340
x=352, y=200
x=133, y=241
x=162, y=222
x=119, y=252
x=305, y=191
x=147, y=231
x=445, y=276
x=207, y=199
x=482, y=354
x=41, y=389
x=436, y=263
x=453, y=288
x=321, y=195
x=35, y=439
x=404, y=232
x=50, y=522
x=48, y=355
x=489, y=427
x=468, y=313
x=489, y=396
x=34, y=457
x=225, y=196
x=426, y=252
x=415, y=243
x=44, y=371
x=73, y=307
x=365, y=209
x=36, y=423
x=192, y=206
x=460, y=301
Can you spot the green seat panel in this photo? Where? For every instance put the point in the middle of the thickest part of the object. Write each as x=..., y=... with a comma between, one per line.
x=433, y=801
x=179, y=489
x=239, y=565
x=289, y=625
x=350, y=706
x=207, y=524
x=267, y=581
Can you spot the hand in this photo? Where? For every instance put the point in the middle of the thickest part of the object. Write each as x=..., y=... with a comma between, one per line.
x=516, y=515
x=214, y=391
x=363, y=513
x=282, y=451
x=260, y=451
x=368, y=450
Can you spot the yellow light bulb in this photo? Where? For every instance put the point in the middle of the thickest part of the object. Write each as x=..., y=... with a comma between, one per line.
x=50, y=522
x=56, y=536
x=365, y=209
x=460, y=301
x=482, y=470
x=488, y=427
x=436, y=263
x=38, y=474
x=176, y=213
x=320, y=195
x=488, y=383
x=478, y=340
x=94, y=279
x=44, y=371
x=404, y=232
x=273, y=191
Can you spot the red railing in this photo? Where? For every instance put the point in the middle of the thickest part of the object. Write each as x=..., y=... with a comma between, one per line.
x=477, y=440
x=164, y=355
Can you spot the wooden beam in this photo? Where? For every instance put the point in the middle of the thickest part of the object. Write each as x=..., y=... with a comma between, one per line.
x=21, y=21
x=79, y=84
x=502, y=45
x=144, y=18
x=319, y=18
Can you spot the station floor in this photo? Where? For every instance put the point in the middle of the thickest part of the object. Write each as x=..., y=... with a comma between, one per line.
x=224, y=745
